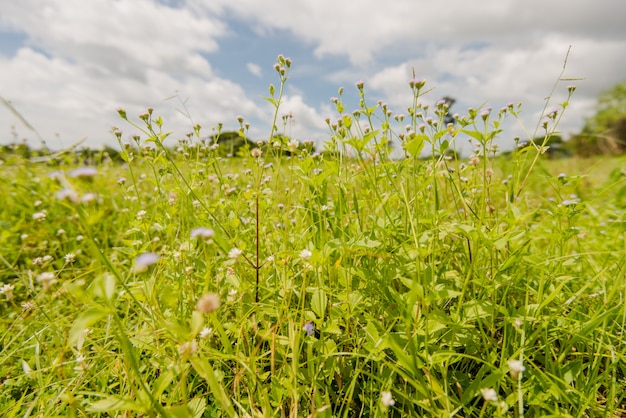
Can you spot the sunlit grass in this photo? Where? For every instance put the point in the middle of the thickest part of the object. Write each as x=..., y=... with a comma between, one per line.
x=343, y=283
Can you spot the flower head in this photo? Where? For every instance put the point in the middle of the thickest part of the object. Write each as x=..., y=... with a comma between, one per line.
x=209, y=302
x=84, y=172
x=145, y=260
x=305, y=254
x=188, y=348
x=203, y=233
x=516, y=367
x=234, y=253
x=47, y=279
x=489, y=394
x=387, y=399
x=206, y=331
x=309, y=328
x=7, y=291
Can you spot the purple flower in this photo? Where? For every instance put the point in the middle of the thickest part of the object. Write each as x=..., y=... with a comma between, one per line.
x=84, y=172
x=309, y=328
x=203, y=233
x=145, y=260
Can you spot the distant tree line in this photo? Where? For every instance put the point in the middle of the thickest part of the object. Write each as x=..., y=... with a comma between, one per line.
x=227, y=144
x=605, y=131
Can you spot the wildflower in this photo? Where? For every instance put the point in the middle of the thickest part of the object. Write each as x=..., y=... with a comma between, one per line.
x=188, y=348
x=84, y=172
x=81, y=364
x=209, y=302
x=28, y=306
x=121, y=180
x=79, y=238
x=359, y=84
x=7, y=291
x=516, y=368
x=489, y=394
x=417, y=83
x=569, y=202
x=234, y=253
x=70, y=258
x=39, y=216
x=387, y=399
x=474, y=160
x=60, y=232
x=309, y=328
x=203, y=233
x=88, y=198
x=68, y=194
x=143, y=261
x=47, y=279
x=141, y=214
x=305, y=254
x=206, y=331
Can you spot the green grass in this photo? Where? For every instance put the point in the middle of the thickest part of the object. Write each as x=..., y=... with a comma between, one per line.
x=365, y=286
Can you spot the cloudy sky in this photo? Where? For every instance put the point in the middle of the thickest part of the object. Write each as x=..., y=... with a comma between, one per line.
x=67, y=65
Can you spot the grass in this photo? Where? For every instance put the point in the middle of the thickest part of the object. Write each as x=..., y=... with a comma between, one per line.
x=342, y=284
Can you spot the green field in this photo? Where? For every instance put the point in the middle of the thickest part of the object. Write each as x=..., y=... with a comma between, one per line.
x=340, y=284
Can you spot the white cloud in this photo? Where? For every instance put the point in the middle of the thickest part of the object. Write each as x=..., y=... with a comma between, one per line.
x=82, y=60
x=254, y=69
x=304, y=121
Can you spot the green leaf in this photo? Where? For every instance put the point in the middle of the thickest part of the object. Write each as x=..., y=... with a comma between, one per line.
x=319, y=303
x=103, y=286
x=474, y=134
x=85, y=320
x=116, y=403
x=415, y=144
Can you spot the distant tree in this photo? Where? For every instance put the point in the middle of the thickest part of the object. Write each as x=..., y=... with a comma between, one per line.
x=231, y=143
x=604, y=132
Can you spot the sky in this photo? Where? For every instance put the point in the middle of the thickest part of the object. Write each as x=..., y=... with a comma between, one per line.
x=67, y=66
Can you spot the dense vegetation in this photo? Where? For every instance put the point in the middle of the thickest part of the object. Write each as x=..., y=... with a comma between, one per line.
x=186, y=283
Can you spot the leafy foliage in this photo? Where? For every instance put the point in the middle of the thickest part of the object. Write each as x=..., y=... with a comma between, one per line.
x=349, y=284
x=605, y=132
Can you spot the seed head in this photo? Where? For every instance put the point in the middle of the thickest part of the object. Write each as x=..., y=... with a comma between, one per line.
x=209, y=302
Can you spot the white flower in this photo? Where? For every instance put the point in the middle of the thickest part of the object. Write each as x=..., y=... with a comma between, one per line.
x=387, y=399
x=205, y=234
x=7, y=291
x=70, y=258
x=489, y=394
x=256, y=152
x=206, y=331
x=188, y=348
x=47, y=279
x=88, y=197
x=141, y=214
x=516, y=367
x=305, y=254
x=39, y=216
x=235, y=252
x=68, y=194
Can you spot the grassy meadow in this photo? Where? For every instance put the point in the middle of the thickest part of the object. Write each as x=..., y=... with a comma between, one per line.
x=285, y=282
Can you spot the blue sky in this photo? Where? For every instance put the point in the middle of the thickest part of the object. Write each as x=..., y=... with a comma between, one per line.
x=67, y=65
